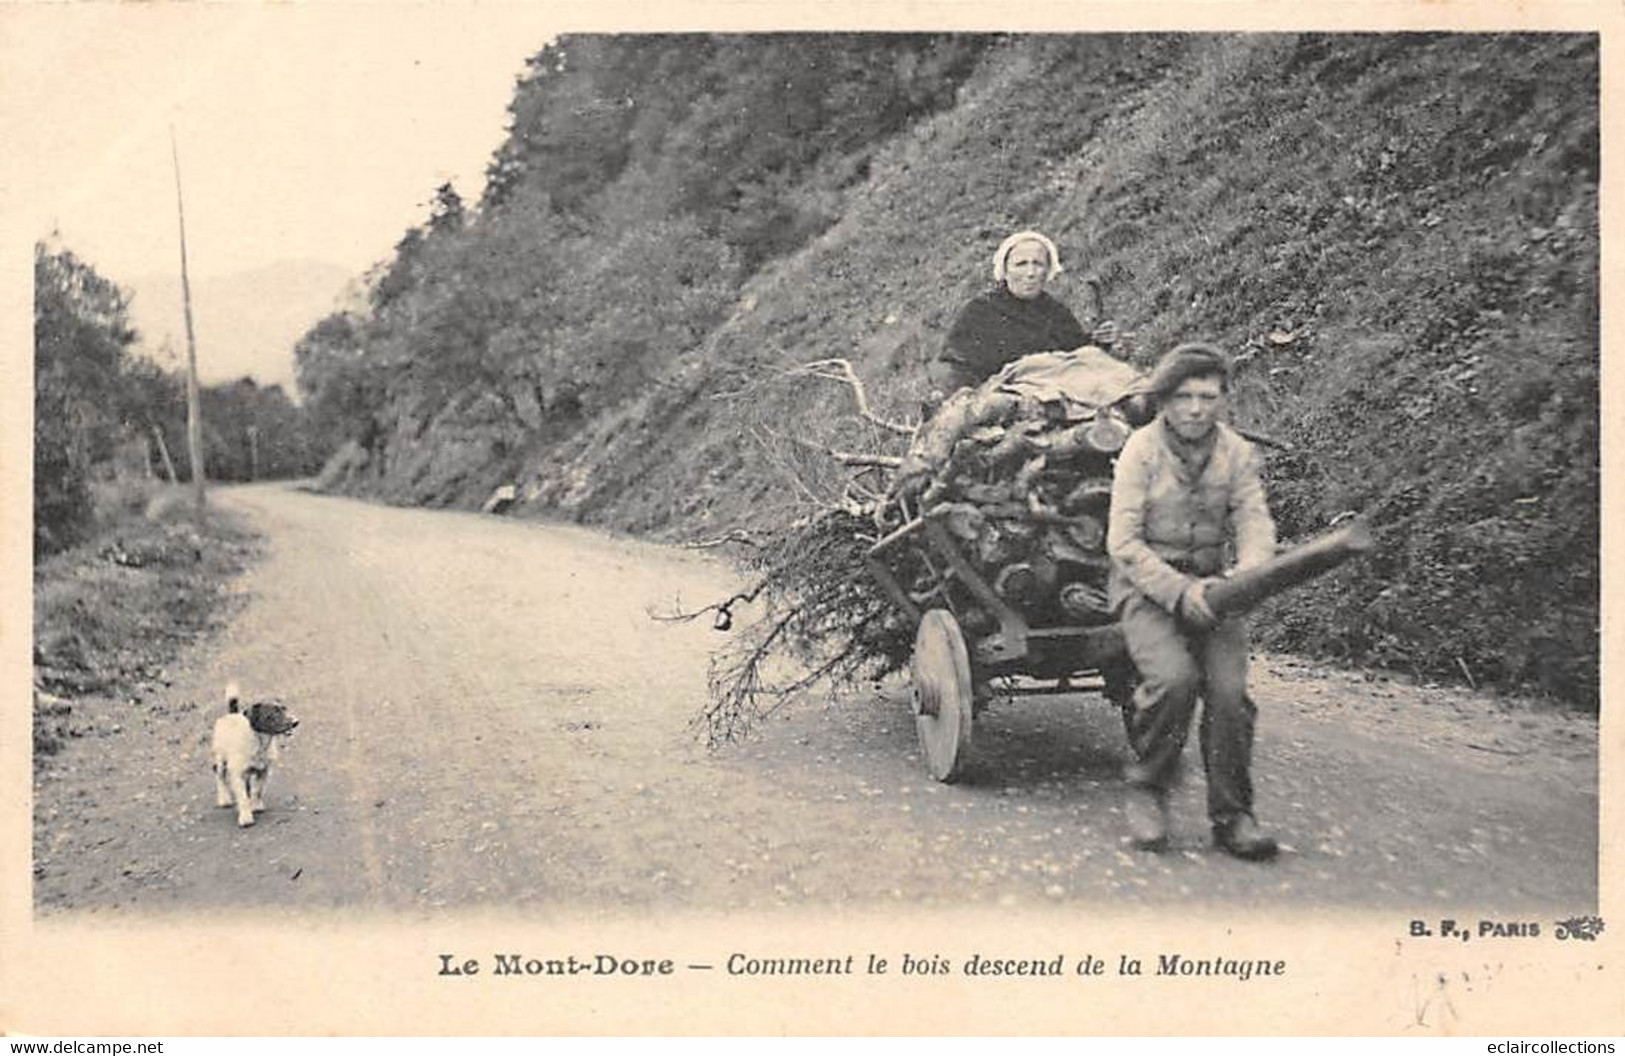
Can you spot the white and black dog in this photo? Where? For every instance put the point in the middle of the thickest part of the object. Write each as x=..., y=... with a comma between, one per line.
x=245, y=745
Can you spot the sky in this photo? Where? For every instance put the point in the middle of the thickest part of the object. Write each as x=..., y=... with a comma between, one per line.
x=310, y=135
x=304, y=131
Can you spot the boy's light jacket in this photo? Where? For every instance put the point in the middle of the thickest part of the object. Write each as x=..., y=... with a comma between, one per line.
x=1169, y=525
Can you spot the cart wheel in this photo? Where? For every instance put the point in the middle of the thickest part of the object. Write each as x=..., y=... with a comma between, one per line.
x=942, y=694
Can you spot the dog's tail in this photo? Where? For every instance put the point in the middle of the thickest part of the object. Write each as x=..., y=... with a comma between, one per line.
x=233, y=695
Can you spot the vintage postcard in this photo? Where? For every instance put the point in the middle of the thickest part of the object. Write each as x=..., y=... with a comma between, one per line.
x=754, y=519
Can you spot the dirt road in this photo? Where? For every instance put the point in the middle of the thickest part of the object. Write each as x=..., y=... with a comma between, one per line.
x=490, y=717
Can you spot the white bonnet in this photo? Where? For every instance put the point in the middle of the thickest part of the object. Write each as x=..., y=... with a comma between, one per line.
x=1016, y=239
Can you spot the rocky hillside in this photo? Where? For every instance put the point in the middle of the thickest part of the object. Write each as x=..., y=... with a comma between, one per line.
x=1396, y=235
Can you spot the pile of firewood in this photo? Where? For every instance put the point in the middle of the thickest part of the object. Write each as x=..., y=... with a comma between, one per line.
x=1019, y=473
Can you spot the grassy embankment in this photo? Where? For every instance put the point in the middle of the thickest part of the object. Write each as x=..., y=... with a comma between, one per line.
x=112, y=612
x=1396, y=236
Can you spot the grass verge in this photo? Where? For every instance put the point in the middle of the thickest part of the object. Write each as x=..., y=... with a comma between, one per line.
x=111, y=613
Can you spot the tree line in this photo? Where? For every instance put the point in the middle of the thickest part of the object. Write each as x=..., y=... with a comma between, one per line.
x=103, y=410
x=644, y=180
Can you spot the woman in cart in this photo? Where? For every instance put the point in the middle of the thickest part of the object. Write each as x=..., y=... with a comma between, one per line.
x=1015, y=318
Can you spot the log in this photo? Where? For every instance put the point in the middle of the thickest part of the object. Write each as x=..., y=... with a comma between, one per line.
x=1058, y=548
x=1084, y=602
x=1087, y=533
x=962, y=520
x=1018, y=584
x=859, y=460
x=1244, y=589
x=966, y=410
x=985, y=494
x=1020, y=440
x=1103, y=435
x=1093, y=495
x=163, y=449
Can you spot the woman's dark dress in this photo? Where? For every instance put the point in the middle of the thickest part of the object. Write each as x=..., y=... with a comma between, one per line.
x=998, y=327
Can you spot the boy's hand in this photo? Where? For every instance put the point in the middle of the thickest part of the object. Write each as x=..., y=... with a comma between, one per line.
x=1194, y=611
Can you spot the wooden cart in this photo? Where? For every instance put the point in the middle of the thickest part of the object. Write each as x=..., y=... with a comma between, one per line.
x=950, y=674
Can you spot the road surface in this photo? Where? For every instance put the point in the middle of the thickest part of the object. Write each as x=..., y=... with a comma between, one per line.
x=491, y=718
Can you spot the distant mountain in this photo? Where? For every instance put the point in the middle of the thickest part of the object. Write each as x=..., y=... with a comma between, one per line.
x=246, y=322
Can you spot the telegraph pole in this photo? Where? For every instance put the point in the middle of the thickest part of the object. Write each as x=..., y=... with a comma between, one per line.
x=194, y=413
